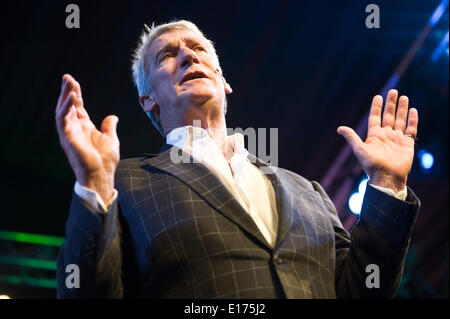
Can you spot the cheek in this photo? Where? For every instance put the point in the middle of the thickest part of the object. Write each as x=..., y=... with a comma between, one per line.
x=163, y=85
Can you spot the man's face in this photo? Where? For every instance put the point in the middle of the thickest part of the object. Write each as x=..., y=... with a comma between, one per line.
x=184, y=73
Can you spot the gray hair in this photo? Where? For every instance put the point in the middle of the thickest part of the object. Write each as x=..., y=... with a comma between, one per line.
x=140, y=66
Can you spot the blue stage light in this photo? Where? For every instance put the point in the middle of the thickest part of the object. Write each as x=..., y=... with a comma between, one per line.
x=355, y=203
x=362, y=185
x=438, y=13
x=356, y=199
x=426, y=159
x=443, y=46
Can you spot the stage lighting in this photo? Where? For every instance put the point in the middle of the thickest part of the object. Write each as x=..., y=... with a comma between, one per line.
x=442, y=47
x=355, y=203
x=356, y=199
x=426, y=159
x=362, y=185
x=440, y=10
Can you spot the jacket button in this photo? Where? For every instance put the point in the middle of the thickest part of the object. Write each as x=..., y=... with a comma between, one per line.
x=280, y=261
x=91, y=236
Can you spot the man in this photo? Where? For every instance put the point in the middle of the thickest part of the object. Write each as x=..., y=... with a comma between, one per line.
x=216, y=226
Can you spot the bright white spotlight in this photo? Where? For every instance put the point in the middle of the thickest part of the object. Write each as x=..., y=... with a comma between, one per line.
x=363, y=185
x=426, y=159
x=355, y=203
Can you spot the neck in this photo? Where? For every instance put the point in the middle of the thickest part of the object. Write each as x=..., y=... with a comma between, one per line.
x=213, y=122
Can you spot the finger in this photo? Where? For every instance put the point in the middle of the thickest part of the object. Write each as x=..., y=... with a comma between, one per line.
x=389, y=109
x=352, y=138
x=402, y=113
x=109, y=125
x=71, y=115
x=375, y=113
x=65, y=90
x=81, y=111
x=75, y=86
x=413, y=121
x=64, y=110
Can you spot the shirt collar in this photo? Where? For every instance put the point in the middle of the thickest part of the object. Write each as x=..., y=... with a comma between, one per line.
x=184, y=138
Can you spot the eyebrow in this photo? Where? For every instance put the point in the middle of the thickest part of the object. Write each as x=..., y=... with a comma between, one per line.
x=164, y=49
x=173, y=44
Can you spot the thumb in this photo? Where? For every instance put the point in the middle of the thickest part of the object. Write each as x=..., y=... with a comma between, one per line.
x=109, y=125
x=349, y=134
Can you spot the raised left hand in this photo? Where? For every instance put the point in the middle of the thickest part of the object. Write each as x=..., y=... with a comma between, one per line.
x=388, y=152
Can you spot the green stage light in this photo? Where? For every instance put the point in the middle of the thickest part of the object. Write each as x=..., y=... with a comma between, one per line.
x=32, y=238
x=28, y=262
x=30, y=281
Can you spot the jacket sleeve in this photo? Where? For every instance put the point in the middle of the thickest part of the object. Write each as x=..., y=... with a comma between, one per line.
x=381, y=237
x=93, y=245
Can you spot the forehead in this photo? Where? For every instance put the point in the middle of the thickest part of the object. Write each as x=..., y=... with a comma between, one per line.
x=173, y=37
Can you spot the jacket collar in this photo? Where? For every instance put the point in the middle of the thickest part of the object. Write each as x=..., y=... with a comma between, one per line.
x=199, y=178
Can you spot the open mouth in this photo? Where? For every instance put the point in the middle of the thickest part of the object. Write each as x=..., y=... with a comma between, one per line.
x=193, y=76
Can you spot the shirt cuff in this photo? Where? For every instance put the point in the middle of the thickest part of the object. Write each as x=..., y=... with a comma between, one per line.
x=92, y=199
x=400, y=195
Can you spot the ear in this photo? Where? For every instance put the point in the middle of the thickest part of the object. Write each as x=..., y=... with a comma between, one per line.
x=228, y=88
x=149, y=104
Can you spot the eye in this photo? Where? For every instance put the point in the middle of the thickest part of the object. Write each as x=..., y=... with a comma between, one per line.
x=199, y=48
x=165, y=56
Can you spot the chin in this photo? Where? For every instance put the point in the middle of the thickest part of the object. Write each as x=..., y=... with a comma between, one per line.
x=198, y=96
x=197, y=102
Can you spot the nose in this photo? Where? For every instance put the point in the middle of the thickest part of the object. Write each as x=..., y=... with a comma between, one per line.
x=188, y=57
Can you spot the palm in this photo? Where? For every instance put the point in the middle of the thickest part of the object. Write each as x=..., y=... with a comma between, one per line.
x=94, y=148
x=90, y=152
x=389, y=149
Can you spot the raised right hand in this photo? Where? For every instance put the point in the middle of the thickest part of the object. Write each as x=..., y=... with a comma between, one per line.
x=93, y=154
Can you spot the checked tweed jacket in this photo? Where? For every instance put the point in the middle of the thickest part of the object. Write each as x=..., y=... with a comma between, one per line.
x=175, y=231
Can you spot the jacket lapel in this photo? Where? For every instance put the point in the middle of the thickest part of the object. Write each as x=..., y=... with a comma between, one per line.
x=283, y=197
x=199, y=178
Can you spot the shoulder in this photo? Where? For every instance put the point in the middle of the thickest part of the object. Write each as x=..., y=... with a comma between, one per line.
x=306, y=184
x=129, y=166
x=132, y=172
x=143, y=166
x=308, y=187
x=295, y=179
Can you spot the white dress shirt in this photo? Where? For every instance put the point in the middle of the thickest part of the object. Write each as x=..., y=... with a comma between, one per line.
x=249, y=186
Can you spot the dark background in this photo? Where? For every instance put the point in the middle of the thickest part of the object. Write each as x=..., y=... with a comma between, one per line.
x=304, y=67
